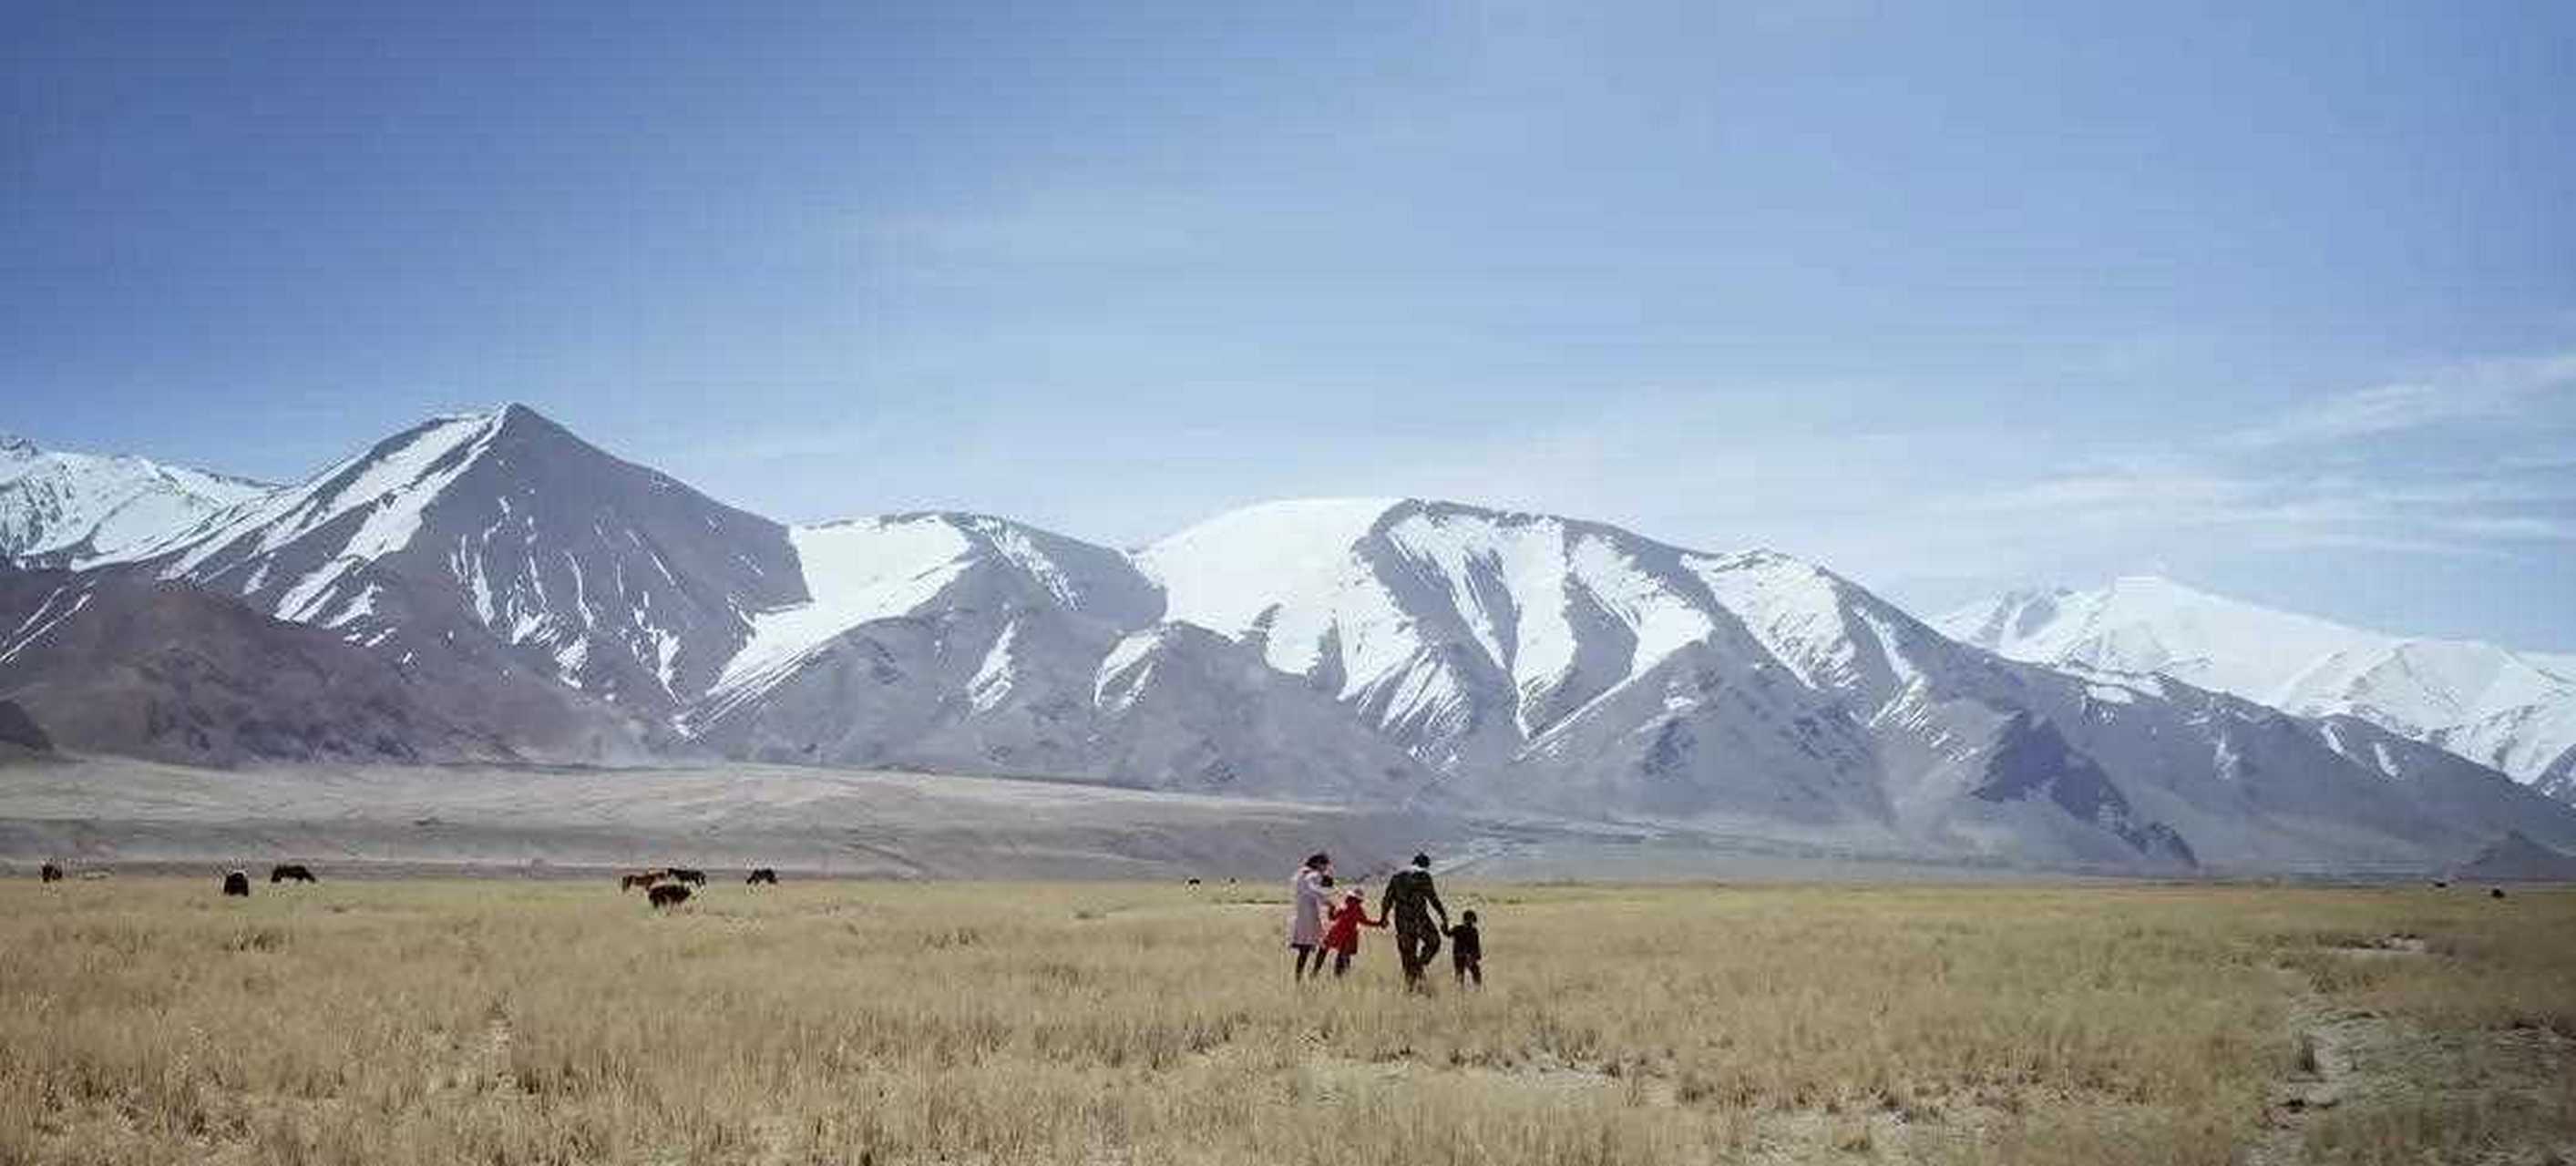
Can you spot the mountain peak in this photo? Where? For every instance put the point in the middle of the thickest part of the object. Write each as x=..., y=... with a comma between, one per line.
x=425, y=457
x=517, y=416
x=605, y=573
x=509, y=415
x=11, y=443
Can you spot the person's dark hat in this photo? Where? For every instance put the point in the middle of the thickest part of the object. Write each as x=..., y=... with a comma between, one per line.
x=1422, y=860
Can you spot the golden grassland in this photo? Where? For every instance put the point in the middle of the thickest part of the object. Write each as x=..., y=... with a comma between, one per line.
x=148, y=1020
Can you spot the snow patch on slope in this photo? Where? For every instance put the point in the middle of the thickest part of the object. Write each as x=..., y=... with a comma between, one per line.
x=1285, y=570
x=858, y=570
x=895, y=566
x=51, y=613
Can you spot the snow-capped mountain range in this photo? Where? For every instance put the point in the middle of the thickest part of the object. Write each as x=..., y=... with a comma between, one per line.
x=1405, y=652
x=2511, y=710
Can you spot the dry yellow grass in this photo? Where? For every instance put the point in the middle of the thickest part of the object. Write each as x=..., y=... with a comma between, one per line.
x=504, y=1022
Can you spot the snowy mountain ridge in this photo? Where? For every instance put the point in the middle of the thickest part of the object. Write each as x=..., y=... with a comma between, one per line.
x=81, y=507
x=608, y=576
x=2511, y=710
x=1432, y=616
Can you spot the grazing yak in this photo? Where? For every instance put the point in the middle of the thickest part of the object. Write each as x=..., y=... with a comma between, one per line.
x=762, y=876
x=682, y=874
x=2495, y=892
x=668, y=895
x=237, y=884
x=50, y=873
x=291, y=872
x=646, y=880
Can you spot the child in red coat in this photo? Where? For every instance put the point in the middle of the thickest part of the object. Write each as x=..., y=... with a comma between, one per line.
x=1342, y=937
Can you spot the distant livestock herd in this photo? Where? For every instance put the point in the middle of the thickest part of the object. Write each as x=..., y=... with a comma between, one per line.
x=237, y=882
x=669, y=886
x=664, y=887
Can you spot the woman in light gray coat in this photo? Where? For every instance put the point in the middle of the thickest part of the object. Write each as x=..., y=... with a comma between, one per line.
x=1307, y=890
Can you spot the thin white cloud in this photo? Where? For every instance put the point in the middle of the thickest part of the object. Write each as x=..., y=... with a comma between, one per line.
x=2484, y=392
x=2459, y=463
x=2523, y=528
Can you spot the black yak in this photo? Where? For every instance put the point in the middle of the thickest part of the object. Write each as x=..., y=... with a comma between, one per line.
x=695, y=878
x=50, y=873
x=668, y=895
x=237, y=884
x=762, y=876
x=291, y=872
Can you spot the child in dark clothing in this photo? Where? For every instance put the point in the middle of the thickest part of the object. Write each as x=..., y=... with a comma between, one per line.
x=1467, y=951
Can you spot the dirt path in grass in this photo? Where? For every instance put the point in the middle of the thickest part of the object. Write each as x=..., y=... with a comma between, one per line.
x=2371, y=1087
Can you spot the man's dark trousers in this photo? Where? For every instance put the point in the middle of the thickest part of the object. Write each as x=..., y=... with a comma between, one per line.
x=1417, y=939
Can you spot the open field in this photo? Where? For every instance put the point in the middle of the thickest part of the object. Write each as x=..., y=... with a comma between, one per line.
x=852, y=823
x=148, y=1020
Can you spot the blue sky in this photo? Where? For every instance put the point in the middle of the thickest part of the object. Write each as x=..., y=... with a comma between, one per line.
x=2278, y=299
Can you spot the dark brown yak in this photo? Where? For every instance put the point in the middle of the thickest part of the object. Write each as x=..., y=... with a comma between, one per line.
x=668, y=895
x=695, y=878
x=762, y=876
x=646, y=880
x=50, y=873
x=291, y=872
x=237, y=884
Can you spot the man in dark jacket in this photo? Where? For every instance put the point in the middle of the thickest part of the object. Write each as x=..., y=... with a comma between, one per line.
x=1409, y=904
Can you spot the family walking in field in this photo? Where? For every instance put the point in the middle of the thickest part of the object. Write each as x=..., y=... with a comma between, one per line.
x=1317, y=926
